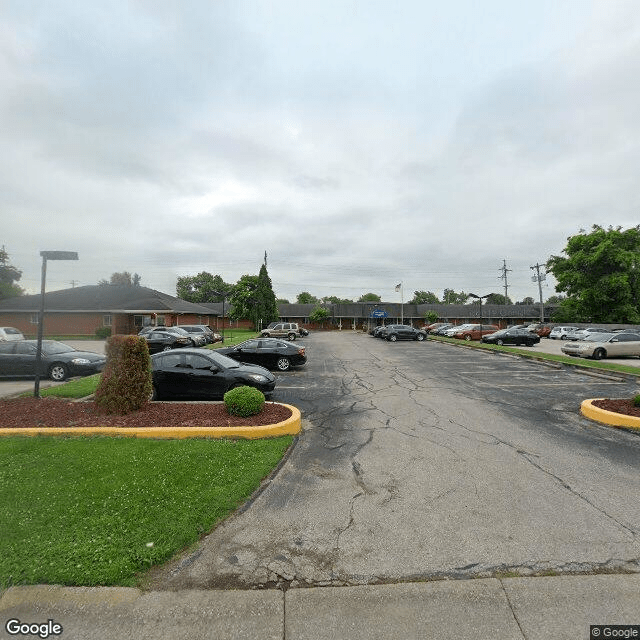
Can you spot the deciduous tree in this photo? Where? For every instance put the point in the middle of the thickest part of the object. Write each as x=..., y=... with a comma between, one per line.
x=424, y=297
x=9, y=275
x=370, y=297
x=600, y=276
x=204, y=287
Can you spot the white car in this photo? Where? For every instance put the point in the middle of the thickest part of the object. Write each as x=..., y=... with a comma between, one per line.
x=561, y=333
x=604, y=345
x=7, y=334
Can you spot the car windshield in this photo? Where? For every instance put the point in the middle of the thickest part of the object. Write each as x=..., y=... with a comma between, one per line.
x=598, y=337
x=51, y=348
x=223, y=361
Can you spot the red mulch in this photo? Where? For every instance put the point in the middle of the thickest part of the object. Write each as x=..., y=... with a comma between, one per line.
x=55, y=412
x=618, y=406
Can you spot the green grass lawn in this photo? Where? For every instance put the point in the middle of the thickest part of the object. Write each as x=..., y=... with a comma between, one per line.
x=100, y=511
x=234, y=336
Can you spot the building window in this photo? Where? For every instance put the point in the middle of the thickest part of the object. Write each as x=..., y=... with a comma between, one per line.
x=160, y=321
x=106, y=320
x=34, y=318
x=141, y=321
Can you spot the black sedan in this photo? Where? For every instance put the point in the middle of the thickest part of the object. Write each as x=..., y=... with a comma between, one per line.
x=267, y=352
x=204, y=374
x=59, y=360
x=160, y=340
x=512, y=336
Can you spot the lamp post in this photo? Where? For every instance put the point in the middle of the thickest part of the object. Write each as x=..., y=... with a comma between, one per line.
x=473, y=295
x=224, y=297
x=46, y=255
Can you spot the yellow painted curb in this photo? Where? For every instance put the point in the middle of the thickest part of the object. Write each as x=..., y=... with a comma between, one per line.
x=291, y=426
x=608, y=417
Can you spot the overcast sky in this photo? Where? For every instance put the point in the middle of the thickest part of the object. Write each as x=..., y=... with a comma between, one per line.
x=359, y=143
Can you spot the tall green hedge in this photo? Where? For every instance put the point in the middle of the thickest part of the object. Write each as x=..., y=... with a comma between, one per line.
x=125, y=384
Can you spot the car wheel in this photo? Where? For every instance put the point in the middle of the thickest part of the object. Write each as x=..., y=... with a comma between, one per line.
x=193, y=343
x=283, y=364
x=292, y=336
x=500, y=342
x=167, y=347
x=563, y=337
x=419, y=337
x=154, y=393
x=530, y=343
x=392, y=338
x=467, y=338
x=598, y=354
x=58, y=372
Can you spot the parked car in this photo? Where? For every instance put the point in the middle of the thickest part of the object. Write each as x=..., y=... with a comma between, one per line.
x=561, y=333
x=512, y=336
x=202, y=330
x=404, y=332
x=454, y=329
x=193, y=339
x=432, y=328
x=581, y=334
x=543, y=330
x=382, y=331
x=204, y=374
x=59, y=361
x=475, y=331
x=289, y=330
x=604, y=345
x=8, y=334
x=163, y=340
x=270, y=353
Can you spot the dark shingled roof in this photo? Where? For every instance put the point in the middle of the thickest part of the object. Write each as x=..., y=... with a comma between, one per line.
x=105, y=298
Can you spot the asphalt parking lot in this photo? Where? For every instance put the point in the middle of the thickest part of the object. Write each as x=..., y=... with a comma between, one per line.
x=427, y=460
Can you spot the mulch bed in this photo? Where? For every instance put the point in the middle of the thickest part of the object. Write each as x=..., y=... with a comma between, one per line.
x=618, y=406
x=55, y=412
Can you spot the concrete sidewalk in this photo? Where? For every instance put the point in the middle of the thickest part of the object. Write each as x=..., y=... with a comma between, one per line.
x=539, y=608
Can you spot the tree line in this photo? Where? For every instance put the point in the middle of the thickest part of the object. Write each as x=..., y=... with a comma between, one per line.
x=598, y=280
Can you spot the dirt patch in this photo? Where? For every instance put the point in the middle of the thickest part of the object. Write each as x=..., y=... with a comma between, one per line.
x=625, y=407
x=55, y=412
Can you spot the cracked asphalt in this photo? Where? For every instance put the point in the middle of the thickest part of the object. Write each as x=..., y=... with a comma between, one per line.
x=426, y=460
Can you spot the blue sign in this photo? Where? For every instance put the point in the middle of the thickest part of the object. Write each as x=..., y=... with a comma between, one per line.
x=379, y=313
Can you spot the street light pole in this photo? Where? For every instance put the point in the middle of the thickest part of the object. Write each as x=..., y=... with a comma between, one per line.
x=224, y=297
x=46, y=255
x=473, y=295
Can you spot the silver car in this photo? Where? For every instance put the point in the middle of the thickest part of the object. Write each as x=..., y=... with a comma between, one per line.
x=561, y=333
x=605, y=345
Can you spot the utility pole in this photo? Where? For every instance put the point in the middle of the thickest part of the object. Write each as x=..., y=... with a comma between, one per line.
x=504, y=277
x=539, y=277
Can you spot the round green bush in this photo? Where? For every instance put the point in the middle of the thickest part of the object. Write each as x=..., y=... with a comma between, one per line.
x=636, y=400
x=244, y=401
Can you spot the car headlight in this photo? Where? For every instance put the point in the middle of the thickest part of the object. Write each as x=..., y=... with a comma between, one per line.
x=80, y=361
x=256, y=377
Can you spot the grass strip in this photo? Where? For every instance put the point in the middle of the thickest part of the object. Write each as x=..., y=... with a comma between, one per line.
x=77, y=388
x=99, y=511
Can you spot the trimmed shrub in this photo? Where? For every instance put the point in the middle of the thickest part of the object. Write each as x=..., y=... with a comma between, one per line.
x=125, y=384
x=103, y=332
x=244, y=401
x=636, y=400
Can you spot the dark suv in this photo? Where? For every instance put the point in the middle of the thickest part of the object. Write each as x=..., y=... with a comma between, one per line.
x=404, y=332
